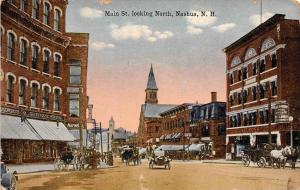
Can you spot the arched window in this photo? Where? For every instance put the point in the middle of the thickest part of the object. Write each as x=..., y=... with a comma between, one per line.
x=57, y=19
x=23, y=5
x=46, y=16
x=11, y=47
x=35, y=9
x=267, y=44
x=34, y=95
x=23, y=52
x=250, y=53
x=22, y=92
x=57, y=65
x=56, y=100
x=10, y=89
x=35, y=52
x=46, y=61
x=235, y=61
x=46, y=91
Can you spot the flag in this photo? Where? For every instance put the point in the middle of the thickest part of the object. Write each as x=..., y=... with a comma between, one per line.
x=105, y=2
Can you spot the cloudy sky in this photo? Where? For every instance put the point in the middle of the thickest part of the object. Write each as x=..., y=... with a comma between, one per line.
x=186, y=52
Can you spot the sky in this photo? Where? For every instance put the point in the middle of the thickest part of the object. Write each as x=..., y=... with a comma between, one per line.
x=185, y=51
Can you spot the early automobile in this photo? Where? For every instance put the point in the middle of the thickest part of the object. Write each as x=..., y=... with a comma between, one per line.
x=8, y=178
x=158, y=158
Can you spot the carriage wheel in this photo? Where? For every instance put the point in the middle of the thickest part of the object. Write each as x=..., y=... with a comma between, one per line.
x=246, y=160
x=261, y=162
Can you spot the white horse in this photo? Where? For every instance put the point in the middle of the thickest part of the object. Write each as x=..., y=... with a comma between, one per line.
x=278, y=158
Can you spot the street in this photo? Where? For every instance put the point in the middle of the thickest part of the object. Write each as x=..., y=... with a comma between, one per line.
x=183, y=175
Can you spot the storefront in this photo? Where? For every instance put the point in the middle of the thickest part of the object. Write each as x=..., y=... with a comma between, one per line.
x=31, y=140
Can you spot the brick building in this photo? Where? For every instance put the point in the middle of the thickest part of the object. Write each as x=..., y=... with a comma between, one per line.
x=208, y=125
x=175, y=125
x=43, y=83
x=262, y=69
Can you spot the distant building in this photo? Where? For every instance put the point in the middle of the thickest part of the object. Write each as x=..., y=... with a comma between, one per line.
x=262, y=68
x=43, y=88
x=149, y=122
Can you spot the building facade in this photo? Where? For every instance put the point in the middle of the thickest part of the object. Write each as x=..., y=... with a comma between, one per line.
x=40, y=88
x=208, y=125
x=175, y=128
x=263, y=69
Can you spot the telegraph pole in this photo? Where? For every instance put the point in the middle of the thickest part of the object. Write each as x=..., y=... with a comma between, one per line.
x=101, y=146
x=269, y=115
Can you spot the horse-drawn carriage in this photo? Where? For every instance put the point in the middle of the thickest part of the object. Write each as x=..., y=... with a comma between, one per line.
x=69, y=158
x=131, y=155
x=271, y=155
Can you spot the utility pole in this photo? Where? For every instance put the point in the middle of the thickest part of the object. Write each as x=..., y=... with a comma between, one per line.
x=261, y=4
x=269, y=115
x=182, y=123
x=101, y=145
x=107, y=141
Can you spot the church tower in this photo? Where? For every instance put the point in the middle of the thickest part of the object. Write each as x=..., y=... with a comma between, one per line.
x=111, y=126
x=151, y=90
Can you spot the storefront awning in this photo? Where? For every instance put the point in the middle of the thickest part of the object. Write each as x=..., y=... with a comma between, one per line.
x=162, y=137
x=178, y=135
x=195, y=147
x=50, y=130
x=12, y=128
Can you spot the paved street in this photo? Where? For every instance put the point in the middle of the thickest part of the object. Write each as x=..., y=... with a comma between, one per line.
x=183, y=175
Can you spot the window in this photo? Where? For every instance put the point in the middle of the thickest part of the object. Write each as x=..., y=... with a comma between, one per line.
x=274, y=60
x=57, y=60
x=34, y=95
x=10, y=89
x=75, y=74
x=35, y=9
x=11, y=47
x=46, y=61
x=23, y=52
x=74, y=105
x=245, y=96
x=23, y=5
x=231, y=78
x=46, y=92
x=273, y=88
x=46, y=16
x=205, y=131
x=22, y=92
x=239, y=75
x=245, y=73
x=239, y=98
x=253, y=118
x=35, y=52
x=264, y=116
x=246, y=119
x=254, y=69
x=57, y=15
x=261, y=89
x=239, y=119
x=11, y=1
x=57, y=100
x=262, y=66
x=221, y=129
x=231, y=100
x=254, y=93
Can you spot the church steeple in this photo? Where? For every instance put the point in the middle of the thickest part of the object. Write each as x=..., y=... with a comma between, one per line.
x=151, y=90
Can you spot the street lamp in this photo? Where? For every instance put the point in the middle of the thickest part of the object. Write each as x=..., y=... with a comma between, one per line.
x=291, y=132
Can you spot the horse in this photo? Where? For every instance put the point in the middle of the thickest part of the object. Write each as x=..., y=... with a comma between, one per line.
x=127, y=156
x=291, y=154
x=278, y=158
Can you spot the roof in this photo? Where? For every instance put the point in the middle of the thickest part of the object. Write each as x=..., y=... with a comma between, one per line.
x=154, y=110
x=49, y=130
x=12, y=128
x=271, y=21
x=151, y=84
x=178, y=107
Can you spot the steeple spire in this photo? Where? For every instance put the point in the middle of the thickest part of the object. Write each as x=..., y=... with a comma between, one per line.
x=151, y=80
x=151, y=90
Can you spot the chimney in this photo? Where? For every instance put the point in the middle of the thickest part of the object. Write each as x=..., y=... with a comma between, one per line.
x=213, y=96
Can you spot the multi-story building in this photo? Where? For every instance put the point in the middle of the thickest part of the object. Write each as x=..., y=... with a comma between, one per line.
x=208, y=125
x=148, y=131
x=175, y=125
x=43, y=88
x=262, y=69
